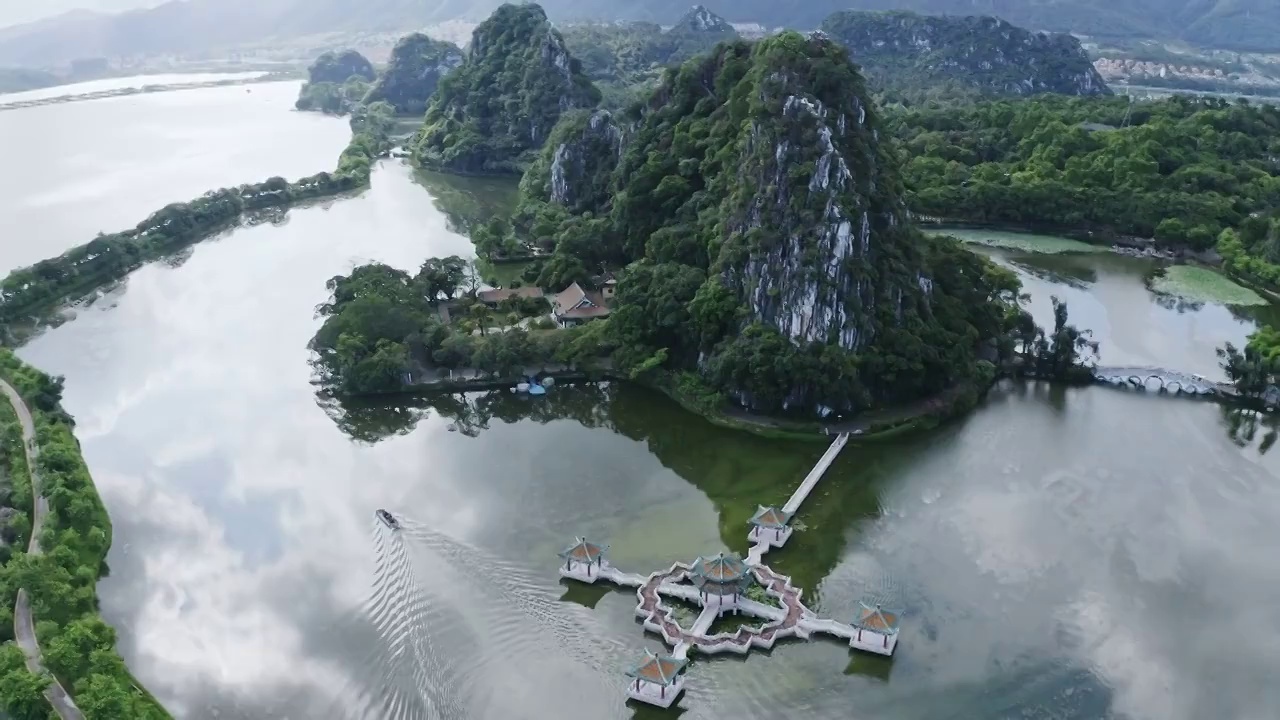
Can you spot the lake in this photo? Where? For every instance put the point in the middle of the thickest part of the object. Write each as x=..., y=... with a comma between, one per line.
x=104, y=165
x=1060, y=553
x=121, y=83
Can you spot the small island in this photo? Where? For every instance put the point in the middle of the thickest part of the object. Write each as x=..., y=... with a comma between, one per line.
x=747, y=252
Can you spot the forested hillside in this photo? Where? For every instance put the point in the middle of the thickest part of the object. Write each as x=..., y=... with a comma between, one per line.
x=768, y=253
x=901, y=52
x=633, y=51
x=494, y=112
x=336, y=82
x=417, y=65
x=1180, y=170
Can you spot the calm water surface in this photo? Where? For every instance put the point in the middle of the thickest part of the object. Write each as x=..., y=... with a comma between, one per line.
x=1085, y=553
x=104, y=165
x=120, y=83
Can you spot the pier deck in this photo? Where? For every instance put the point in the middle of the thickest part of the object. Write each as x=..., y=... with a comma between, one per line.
x=787, y=618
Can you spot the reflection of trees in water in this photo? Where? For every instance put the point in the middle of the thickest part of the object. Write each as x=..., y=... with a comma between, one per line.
x=734, y=469
x=1173, y=302
x=1268, y=314
x=1242, y=427
x=1071, y=274
x=469, y=201
x=371, y=420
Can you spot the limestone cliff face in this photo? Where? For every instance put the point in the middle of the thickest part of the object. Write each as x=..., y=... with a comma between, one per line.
x=416, y=67
x=899, y=49
x=816, y=225
x=577, y=164
x=495, y=111
x=759, y=216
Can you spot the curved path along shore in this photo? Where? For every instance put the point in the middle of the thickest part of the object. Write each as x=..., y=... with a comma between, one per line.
x=24, y=625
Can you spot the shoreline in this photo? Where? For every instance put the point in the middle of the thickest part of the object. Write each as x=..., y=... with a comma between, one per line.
x=218, y=211
x=1105, y=239
x=143, y=90
x=46, y=425
x=877, y=424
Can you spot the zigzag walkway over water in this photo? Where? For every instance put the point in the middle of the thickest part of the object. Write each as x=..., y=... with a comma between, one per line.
x=719, y=585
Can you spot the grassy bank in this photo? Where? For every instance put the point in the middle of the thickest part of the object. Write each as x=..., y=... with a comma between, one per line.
x=29, y=294
x=78, y=646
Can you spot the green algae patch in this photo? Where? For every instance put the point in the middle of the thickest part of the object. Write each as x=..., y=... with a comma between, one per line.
x=1023, y=242
x=1199, y=284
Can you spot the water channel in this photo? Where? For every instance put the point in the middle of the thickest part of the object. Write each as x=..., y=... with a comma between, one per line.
x=104, y=165
x=1061, y=553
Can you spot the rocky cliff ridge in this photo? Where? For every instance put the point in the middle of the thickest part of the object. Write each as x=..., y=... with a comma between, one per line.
x=767, y=246
x=414, y=71
x=897, y=49
x=494, y=112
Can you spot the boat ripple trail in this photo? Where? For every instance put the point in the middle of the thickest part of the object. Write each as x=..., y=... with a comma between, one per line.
x=504, y=586
x=406, y=616
x=403, y=676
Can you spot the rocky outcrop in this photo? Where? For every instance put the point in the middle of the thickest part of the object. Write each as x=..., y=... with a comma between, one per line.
x=338, y=67
x=631, y=52
x=337, y=83
x=701, y=21
x=417, y=64
x=767, y=246
x=576, y=166
x=826, y=222
x=494, y=112
x=900, y=50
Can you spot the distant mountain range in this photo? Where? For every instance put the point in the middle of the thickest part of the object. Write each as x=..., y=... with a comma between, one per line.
x=194, y=26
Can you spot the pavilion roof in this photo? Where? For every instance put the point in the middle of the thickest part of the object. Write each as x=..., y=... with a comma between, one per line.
x=721, y=575
x=658, y=669
x=877, y=619
x=721, y=568
x=583, y=551
x=771, y=518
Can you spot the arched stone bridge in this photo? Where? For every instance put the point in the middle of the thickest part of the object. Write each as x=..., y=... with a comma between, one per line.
x=1167, y=380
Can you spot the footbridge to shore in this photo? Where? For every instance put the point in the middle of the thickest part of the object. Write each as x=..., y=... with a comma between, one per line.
x=1162, y=380
x=717, y=586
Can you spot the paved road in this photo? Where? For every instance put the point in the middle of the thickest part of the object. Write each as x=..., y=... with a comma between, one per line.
x=24, y=625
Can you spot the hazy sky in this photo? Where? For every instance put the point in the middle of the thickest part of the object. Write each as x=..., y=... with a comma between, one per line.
x=13, y=12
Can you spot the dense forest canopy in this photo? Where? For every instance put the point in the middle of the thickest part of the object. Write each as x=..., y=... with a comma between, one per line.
x=495, y=111
x=1181, y=170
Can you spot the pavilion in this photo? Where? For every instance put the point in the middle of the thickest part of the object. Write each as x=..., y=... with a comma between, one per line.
x=580, y=557
x=657, y=679
x=771, y=518
x=724, y=576
x=880, y=623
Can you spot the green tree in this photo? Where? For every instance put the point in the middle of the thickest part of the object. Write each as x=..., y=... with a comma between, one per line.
x=21, y=692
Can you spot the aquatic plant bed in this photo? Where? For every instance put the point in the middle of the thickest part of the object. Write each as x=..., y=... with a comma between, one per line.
x=1198, y=284
x=1025, y=242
